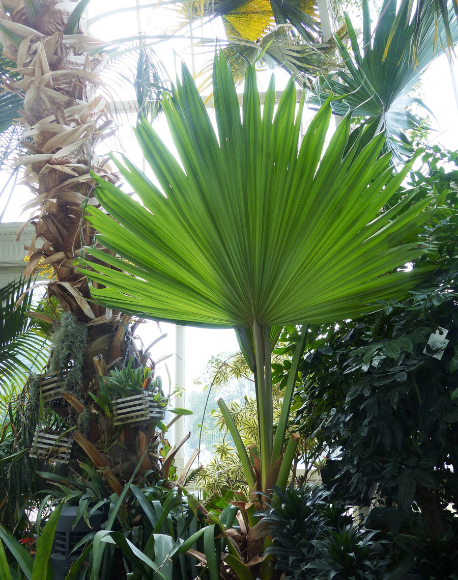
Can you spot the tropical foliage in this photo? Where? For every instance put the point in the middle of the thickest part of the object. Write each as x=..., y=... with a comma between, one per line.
x=215, y=244
x=382, y=389
x=23, y=339
x=153, y=528
x=376, y=84
x=298, y=518
x=212, y=270
x=392, y=406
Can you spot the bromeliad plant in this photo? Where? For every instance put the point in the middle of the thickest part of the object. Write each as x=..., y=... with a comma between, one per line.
x=254, y=231
x=128, y=382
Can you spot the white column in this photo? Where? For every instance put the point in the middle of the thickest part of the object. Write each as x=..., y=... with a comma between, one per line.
x=327, y=24
x=451, y=65
x=325, y=19
x=180, y=358
x=12, y=253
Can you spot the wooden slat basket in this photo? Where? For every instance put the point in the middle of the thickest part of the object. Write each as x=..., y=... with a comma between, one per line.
x=50, y=386
x=137, y=410
x=51, y=447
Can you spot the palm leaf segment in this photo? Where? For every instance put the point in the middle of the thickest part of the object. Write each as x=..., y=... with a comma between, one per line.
x=376, y=85
x=23, y=345
x=251, y=230
x=10, y=104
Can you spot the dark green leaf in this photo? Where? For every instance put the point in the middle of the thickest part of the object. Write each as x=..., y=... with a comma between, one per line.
x=454, y=364
x=451, y=416
x=391, y=349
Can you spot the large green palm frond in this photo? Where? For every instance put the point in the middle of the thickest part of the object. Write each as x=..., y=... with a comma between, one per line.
x=23, y=345
x=378, y=88
x=416, y=12
x=247, y=226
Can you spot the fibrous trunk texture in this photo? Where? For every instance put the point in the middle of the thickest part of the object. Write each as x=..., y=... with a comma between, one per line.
x=64, y=118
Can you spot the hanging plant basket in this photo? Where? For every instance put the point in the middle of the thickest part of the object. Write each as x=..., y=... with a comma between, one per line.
x=49, y=447
x=137, y=410
x=50, y=386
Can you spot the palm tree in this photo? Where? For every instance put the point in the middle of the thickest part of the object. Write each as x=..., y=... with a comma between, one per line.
x=378, y=78
x=416, y=13
x=253, y=232
x=64, y=117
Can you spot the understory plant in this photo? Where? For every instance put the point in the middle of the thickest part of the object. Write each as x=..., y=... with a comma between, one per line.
x=390, y=414
x=23, y=338
x=430, y=558
x=148, y=532
x=314, y=537
x=224, y=474
x=348, y=554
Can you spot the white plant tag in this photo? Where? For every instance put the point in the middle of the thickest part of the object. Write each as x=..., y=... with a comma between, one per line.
x=437, y=342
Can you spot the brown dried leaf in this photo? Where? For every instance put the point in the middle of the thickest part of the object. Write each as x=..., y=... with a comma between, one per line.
x=171, y=454
x=28, y=159
x=65, y=138
x=32, y=263
x=258, y=531
x=23, y=50
x=99, y=462
x=40, y=316
x=70, y=148
x=256, y=560
x=19, y=29
x=73, y=401
x=198, y=555
x=187, y=467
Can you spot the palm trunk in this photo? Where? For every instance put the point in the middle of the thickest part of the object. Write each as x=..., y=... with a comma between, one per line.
x=63, y=121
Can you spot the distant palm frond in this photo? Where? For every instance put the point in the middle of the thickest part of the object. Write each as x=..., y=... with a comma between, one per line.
x=252, y=18
x=23, y=344
x=150, y=83
x=287, y=32
x=419, y=10
x=376, y=87
x=10, y=102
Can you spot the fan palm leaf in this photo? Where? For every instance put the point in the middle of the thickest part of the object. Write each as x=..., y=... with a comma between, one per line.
x=286, y=33
x=251, y=19
x=377, y=86
x=253, y=228
x=416, y=11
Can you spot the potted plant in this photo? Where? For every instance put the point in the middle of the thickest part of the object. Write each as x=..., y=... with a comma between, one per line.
x=132, y=396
